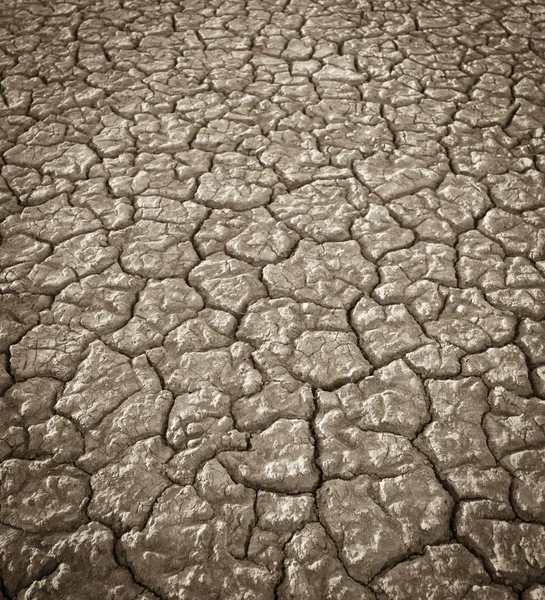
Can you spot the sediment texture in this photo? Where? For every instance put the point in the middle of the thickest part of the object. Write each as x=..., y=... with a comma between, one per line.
x=273, y=300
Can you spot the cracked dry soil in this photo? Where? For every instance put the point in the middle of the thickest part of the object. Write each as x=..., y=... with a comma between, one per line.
x=272, y=306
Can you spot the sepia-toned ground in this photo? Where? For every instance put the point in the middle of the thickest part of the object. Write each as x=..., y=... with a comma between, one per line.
x=272, y=306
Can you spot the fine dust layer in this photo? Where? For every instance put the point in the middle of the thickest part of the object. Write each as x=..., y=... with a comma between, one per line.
x=272, y=300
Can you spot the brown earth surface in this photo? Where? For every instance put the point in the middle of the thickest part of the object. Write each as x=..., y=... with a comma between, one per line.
x=272, y=300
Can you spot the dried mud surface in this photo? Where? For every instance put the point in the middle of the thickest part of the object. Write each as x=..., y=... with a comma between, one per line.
x=272, y=280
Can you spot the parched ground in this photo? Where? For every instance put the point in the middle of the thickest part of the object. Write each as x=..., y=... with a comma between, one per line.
x=272, y=307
